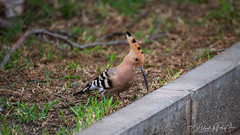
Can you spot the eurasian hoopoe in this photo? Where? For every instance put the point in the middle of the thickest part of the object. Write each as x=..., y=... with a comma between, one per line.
x=121, y=77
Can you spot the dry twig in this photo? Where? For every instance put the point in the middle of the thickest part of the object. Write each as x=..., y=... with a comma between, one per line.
x=72, y=44
x=26, y=35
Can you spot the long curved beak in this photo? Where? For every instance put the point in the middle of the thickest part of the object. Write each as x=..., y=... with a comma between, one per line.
x=144, y=76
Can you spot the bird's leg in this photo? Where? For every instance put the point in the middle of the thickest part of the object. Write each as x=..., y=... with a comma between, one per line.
x=103, y=92
x=120, y=96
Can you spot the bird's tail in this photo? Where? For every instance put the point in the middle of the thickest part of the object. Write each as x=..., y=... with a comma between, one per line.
x=81, y=91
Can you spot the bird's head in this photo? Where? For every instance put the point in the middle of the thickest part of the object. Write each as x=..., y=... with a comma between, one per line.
x=135, y=55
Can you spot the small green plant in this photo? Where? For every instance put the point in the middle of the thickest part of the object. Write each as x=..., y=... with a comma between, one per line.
x=189, y=1
x=67, y=8
x=64, y=131
x=89, y=51
x=76, y=31
x=13, y=62
x=207, y=54
x=100, y=70
x=167, y=24
x=160, y=80
x=27, y=113
x=47, y=73
x=83, y=66
x=226, y=11
x=126, y=7
x=47, y=56
x=68, y=77
x=11, y=32
x=6, y=130
x=14, y=128
x=147, y=51
x=46, y=9
x=171, y=75
x=10, y=87
x=5, y=104
x=47, y=107
x=73, y=65
x=102, y=9
x=92, y=111
x=27, y=63
x=44, y=132
x=152, y=29
x=141, y=35
x=112, y=58
x=61, y=116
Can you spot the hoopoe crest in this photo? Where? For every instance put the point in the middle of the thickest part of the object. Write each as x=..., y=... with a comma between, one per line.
x=121, y=77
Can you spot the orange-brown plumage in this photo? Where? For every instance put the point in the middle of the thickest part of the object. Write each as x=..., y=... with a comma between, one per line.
x=121, y=77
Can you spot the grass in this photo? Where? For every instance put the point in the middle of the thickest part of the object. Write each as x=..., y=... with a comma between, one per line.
x=5, y=130
x=189, y=1
x=10, y=87
x=13, y=130
x=28, y=113
x=92, y=111
x=27, y=64
x=147, y=51
x=64, y=131
x=5, y=104
x=12, y=32
x=68, y=77
x=141, y=35
x=152, y=29
x=13, y=62
x=73, y=65
x=89, y=51
x=207, y=54
x=171, y=75
x=67, y=8
x=61, y=116
x=226, y=11
x=78, y=31
x=112, y=58
x=47, y=107
x=25, y=114
x=46, y=9
x=47, y=73
x=126, y=7
x=102, y=9
x=46, y=55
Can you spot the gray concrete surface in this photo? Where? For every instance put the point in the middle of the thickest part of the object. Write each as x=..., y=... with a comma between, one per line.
x=205, y=100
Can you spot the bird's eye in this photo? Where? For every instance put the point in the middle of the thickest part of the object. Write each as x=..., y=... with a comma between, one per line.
x=136, y=59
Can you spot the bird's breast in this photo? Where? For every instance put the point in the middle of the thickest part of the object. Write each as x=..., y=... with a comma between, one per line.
x=123, y=80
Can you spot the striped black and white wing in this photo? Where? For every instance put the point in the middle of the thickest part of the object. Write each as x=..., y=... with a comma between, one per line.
x=101, y=82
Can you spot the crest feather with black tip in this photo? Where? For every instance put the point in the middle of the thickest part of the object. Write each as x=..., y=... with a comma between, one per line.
x=135, y=47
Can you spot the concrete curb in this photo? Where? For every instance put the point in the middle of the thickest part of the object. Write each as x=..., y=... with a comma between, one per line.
x=205, y=100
